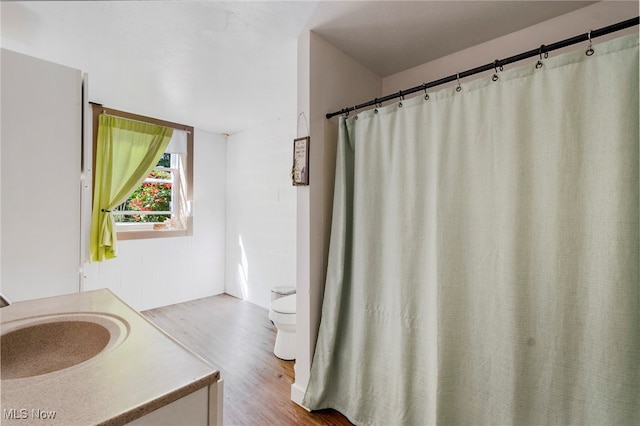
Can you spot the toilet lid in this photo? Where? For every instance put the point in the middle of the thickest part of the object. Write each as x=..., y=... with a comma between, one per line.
x=285, y=305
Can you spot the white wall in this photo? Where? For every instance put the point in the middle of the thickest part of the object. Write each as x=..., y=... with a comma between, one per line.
x=327, y=80
x=164, y=271
x=41, y=137
x=261, y=211
x=562, y=27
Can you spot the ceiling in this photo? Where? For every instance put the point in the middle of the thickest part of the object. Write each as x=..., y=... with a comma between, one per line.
x=229, y=66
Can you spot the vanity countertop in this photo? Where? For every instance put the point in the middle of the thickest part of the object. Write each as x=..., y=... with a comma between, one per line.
x=143, y=370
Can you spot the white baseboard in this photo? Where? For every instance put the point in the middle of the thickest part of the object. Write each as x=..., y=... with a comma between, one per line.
x=297, y=395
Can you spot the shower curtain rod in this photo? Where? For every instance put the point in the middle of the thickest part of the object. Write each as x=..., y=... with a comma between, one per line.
x=498, y=63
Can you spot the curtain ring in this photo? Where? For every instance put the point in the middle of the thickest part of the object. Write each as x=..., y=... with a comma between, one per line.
x=539, y=64
x=426, y=95
x=401, y=99
x=495, y=67
x=375, y=111
x=355, y=112
x=590, y=50
x=459, y=88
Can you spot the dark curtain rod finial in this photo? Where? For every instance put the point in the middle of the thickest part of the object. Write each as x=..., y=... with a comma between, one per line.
x=542, y=50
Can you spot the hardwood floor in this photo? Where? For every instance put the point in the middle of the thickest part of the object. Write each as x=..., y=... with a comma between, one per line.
x=237, y=338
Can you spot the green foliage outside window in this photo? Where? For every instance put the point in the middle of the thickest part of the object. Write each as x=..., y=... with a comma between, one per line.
x=165, y=160
x=150, y=196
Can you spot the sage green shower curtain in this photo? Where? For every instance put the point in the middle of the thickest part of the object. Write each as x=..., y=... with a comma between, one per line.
x=484, y=256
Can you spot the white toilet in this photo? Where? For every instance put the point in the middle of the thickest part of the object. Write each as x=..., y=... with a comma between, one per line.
x=283, y=315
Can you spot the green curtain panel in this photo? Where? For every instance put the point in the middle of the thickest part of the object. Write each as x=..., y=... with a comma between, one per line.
x=127, y=151
x=484, y=256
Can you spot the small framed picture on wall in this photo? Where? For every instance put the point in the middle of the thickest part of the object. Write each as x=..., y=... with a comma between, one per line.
x=300, y=170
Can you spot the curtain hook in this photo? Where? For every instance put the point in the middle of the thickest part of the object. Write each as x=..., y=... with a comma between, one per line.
x=495, y=67
x=590, y=50
x=375, y=111
x=426, y=95
x=459, y=88
x=355, y=111
x=345, y=113
x=541, y=51
x=401, y=98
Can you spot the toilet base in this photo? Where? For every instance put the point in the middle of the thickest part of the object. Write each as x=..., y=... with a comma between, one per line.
x=285, y=347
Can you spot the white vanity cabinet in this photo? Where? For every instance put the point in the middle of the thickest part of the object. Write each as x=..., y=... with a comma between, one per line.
x=202, y=407
x=141, y=377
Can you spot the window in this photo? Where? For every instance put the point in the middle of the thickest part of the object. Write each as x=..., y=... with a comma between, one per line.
x=159, y=202
x=161, y=205
x=155, y=195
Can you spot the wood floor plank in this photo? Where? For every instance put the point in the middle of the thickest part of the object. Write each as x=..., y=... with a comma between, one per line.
x=237, y=338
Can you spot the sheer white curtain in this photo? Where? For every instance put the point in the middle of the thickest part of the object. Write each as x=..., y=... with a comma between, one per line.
x=484, y=258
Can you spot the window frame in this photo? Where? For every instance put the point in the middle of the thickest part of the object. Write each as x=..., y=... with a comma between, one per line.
x=138, y=234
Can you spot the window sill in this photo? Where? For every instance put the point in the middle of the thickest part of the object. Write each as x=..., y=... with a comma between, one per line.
x=148, y=232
